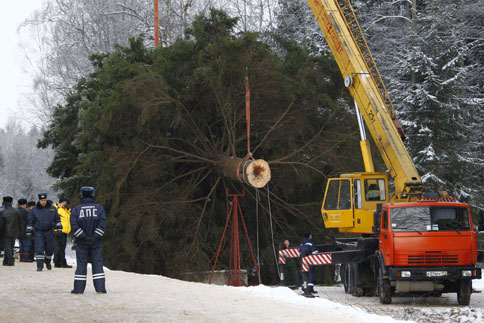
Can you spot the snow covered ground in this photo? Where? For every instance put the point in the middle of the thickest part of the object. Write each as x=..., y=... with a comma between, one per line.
x=30, y=296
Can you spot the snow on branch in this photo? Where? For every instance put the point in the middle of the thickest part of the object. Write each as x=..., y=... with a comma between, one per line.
x=386, y=17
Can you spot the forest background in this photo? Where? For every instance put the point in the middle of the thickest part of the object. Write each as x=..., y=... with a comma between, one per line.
x=147, y=127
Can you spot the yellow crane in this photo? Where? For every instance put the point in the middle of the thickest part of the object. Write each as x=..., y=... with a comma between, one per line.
x=351, y=199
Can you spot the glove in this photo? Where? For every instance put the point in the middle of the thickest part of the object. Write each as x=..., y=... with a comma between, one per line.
x=91, y=241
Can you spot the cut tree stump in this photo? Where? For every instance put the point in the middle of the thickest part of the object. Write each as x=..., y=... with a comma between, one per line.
x=255, y=173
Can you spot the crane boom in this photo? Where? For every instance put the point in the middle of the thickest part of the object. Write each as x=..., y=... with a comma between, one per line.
x=350, y=50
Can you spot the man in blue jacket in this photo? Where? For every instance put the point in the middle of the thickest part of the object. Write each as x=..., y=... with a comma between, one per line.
x=88, y=223
x=306, y=248
x=43, y=218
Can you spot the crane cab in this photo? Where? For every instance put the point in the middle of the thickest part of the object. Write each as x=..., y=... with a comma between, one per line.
x=350, y=201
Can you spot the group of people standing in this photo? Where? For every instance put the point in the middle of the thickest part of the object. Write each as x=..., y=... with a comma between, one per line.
x=46, y=226
x=14, y=223
x=290, y=269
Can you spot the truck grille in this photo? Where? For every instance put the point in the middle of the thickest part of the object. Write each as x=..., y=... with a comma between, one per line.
x=433, y=258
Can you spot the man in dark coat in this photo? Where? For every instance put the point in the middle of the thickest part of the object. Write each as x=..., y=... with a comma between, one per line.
x=25, y=241
x=43, y=218
x=88, y=223
x=289, y=269
x=11, y=225
x=306, y=248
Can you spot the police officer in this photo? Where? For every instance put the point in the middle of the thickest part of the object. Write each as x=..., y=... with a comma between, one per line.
x=43, y=218
x=306, y=248
x=88, y=223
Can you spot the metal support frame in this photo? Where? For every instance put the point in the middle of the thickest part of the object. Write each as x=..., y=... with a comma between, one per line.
x=234, y=275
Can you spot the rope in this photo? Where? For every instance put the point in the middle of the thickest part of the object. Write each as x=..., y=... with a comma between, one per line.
x=247, y=121
x=247, y=112
x=272, y=230
x=257, y=200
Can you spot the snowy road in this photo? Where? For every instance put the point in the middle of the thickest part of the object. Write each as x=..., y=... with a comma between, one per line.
x=30, y=296
x=418, y=309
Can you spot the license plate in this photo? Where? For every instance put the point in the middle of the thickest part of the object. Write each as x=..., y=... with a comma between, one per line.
x=436, y=273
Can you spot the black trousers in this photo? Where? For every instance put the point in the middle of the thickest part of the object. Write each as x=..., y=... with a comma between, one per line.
x=60, y=242
x=44, y=247
x=8, y=244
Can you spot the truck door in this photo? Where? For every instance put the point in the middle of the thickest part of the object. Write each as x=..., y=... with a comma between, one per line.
x=385, y=239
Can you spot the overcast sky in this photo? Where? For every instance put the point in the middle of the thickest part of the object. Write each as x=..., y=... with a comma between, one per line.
x=13, y=81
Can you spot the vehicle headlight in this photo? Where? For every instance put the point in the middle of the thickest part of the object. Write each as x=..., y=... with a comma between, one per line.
x=405, y=274
x=466, y=273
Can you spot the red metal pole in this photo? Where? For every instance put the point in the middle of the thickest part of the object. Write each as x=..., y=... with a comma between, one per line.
x=250, y=246
x=230, y=272
x=157, y=30
x=235, y=224
x=220, y=244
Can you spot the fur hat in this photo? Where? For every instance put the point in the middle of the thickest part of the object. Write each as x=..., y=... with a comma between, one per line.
x=42, y=196
x=7, y=199
x=87, y=191
x=22, y=202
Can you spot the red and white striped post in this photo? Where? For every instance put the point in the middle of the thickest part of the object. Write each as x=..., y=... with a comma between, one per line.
x=283, y=255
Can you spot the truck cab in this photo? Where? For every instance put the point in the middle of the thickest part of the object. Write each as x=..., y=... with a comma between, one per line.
x=427, y=246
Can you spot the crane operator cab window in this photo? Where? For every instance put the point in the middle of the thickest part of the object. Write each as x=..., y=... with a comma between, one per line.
x=375, y=190
x=338, y=195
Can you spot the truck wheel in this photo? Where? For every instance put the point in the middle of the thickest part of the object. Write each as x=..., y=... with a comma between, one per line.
x=356, y=289
x=344, y=278
x=464, y=292
x=349, y=279
x=384, y=289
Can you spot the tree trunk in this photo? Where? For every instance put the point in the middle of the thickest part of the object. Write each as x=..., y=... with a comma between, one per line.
x=255, y=173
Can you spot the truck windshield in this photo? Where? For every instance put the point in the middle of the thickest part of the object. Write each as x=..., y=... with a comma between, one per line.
x=430, y=218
